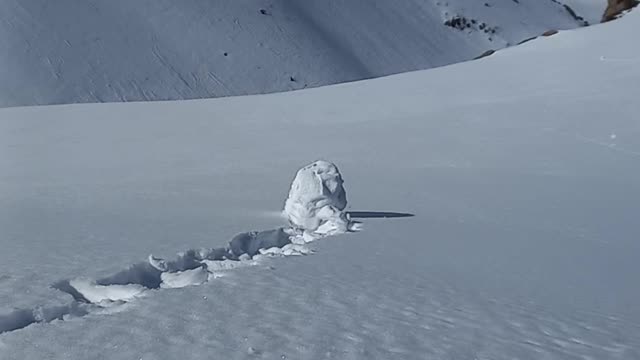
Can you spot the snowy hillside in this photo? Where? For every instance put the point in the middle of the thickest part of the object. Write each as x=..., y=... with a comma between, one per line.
x=522, y=171
x=72, y=51
x=590, y=10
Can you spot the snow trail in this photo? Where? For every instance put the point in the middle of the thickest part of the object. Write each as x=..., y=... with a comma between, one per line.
x=191, y=268
x=314, y=208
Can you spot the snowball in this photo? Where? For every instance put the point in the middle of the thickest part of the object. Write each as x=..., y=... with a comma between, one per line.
x=316, y=198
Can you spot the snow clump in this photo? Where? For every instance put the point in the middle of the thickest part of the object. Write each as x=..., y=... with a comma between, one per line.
x=317, y=199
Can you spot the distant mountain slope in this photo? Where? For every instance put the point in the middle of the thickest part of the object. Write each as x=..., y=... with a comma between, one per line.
x=69, y=51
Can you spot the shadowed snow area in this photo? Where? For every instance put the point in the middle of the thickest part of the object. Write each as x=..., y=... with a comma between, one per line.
x=522, y=169
x=70, y=51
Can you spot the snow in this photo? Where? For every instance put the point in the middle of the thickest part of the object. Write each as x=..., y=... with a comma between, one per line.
x=71, y=51
x=590, y=10
x=317, y=188
x=523, y=244
x=95, y=293
x=316, y=199
x=181, y=279
x=250, y=243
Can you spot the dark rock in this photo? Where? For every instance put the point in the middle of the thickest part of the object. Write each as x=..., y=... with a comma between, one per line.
x=616, y=7
x=573, y=14
x=527, y=40
x=485, y=54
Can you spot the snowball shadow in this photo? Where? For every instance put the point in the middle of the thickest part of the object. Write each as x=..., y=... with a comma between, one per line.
x=377, y=215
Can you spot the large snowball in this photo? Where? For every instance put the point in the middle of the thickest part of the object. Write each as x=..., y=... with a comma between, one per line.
x=317, y=198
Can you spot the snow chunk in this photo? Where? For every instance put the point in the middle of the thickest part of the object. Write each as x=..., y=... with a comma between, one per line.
x=226, y=265
x=251, y=242
x=180, y=279
x=317, y=198
x=97, y=294
x=287, y=250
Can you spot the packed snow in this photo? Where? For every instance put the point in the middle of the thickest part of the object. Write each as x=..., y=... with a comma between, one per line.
x=95, y=293
x=521, y=170
x=317, y=199
x=70, y=51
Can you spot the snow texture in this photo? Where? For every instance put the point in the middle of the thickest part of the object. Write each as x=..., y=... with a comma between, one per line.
x=250, y=243
x=95, y=293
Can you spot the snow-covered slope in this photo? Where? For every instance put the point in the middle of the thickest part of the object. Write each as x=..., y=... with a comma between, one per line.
x=590, y=10
x=522, y=171
x=72, y=51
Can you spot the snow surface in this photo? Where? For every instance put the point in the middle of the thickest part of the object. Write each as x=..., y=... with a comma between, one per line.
x=521, y=170
x=69, y=51
x=317, y=197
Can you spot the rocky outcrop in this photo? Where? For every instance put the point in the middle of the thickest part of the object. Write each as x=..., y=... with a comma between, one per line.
x=485, y=54
x=616, y=7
